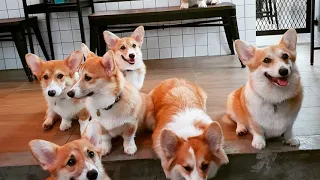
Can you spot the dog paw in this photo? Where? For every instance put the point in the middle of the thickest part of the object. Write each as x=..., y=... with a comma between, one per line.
x=258, y=142
x=241, y=130
x=106, y=148
x=184, y=6
x=213, y=2
x=292, y=142
x=202, y=4
x=130, y=150
x=65, y=125
x=47, y=124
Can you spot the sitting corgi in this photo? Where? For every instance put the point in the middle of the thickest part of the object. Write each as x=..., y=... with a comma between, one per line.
x=118, y=106
x=56, y=78
x=187, y=141
x=268, y=104
x=185, y=4
x=79, y=159
x=128, y=55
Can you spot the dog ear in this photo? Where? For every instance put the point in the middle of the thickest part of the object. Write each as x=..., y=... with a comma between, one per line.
x=34, y=62
x=74, y=60
x=214, y=138
x=109, y=63
x=86, y=51
x=289, y=39
x=111, y=39
x=138, y=35
x=93, y=133
x=45, y=152
x=169, y=143
x=245, y=51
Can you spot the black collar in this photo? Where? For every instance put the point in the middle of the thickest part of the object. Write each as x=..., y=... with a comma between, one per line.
x=117, y=100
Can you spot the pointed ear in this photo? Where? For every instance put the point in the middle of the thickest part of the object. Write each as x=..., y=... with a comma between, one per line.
x=93, y=133
x=86, y=51
x=34, y=62
x=138, y=35
x=74, y=60
x=45, y=152
x=108, y=62
x=245, y=51
x=214, y=137
x=289, y=39
x=169, y=143
x=111, y=39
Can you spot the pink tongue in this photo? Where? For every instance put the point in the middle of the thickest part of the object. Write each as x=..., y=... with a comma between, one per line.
x=282, y=82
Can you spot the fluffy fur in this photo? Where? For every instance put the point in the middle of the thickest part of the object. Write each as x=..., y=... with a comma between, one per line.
x=188, y=142
x=185, y=4
x=128, y=55
x=78, y=160
x=268, y=104
x=101, y=83
x=56, y=78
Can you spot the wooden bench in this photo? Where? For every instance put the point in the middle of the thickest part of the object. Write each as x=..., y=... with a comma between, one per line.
x=100, y=21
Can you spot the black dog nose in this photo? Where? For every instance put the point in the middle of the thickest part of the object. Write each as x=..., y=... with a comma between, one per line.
x=92, y=174
x=70, y=94
x=283, y=71
x=131, y=56
x=51, y=93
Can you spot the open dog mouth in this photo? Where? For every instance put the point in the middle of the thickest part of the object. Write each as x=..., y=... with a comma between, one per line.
x=130, y=61
x=282, y=81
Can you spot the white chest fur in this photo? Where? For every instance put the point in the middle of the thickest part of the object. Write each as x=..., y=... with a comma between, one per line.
x=135, y=78
x=64, y=106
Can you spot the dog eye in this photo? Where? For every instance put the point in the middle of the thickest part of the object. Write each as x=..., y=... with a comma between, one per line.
x=45, y=77
x=60, y=76
x=91, y=154
x=134, y=45
x=204, y=166
x=267, y=60
x=72, y=161
x=87, y=78
x=285, y=56
x=122, y=47
x=187, y=168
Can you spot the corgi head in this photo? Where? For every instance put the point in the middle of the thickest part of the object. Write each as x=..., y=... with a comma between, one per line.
x=272, y=70
x=196, y=158
x=127, y=50
x=55, y=76
x=76, y=160
x=98, y=75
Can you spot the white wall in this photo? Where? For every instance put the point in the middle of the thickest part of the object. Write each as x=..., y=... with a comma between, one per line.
x=159, y=44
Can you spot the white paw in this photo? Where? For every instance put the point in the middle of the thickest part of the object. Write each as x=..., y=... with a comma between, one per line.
x=292, y=142
x=214, y=2
x=258, y=142
x=184, y=6
x=202, y=4
x=65, y=125
x=106, y=148
x=47, y=124
x=130, y=149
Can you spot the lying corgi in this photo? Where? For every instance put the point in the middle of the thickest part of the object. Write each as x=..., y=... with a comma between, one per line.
x=128, y=55
x=79, y=159
x=118, y=106
x=185, y=4
x=56, y=78
x=187, y=141
x=268, y=104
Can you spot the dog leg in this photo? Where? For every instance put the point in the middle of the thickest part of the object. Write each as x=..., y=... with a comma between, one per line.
x=213, y=2
x=83, y=124
x=259, y=141
x=65, y=124
x=241, y=129
x=288, y=138
x=106, y=143
x=184, y=4
x=129, y=144
x=202, y=3
x=50, y=114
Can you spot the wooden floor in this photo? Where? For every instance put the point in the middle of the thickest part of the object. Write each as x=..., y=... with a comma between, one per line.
x=22, y=107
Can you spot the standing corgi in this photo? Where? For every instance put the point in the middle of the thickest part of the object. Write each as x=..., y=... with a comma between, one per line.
x=128, y=55
x=185, y=4
x=268, y=104
x=56, y=78
x=118, y=106
x=79, y=159
x=187, y=141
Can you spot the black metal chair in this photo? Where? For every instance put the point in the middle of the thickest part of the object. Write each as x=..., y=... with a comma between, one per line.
x=267, y=9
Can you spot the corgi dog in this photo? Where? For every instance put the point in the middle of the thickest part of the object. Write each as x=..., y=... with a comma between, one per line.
x=268, y=104
x=185, y=4
x=128, y=55
x=119, y=107
x=56, y=78
x=77, y=160
x=187, y=141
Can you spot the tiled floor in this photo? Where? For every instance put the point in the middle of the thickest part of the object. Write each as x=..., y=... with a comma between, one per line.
x=22, y=107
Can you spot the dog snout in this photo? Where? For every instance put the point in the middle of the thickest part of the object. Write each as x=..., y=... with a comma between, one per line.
x=51, y=93
x=131, y=56
x=71, y=93
x=283, y=71
x=92, y=174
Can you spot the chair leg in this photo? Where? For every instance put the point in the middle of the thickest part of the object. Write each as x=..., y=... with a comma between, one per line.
x=235, y=32
x=37, y=32
x=22, y=49
x=29, y=34
x=276, y=13
x=93, y=38
x=102, y=47
x=83, y=39
x=228, y=33
x=49, y=35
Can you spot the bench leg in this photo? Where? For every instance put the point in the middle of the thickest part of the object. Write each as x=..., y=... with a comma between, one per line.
x=22, y=48
x=228, y=32
x=37, y=32
x=83, y=38
x=102, y=47
x=93, y=38
x=49, y=35
x=235, y=32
